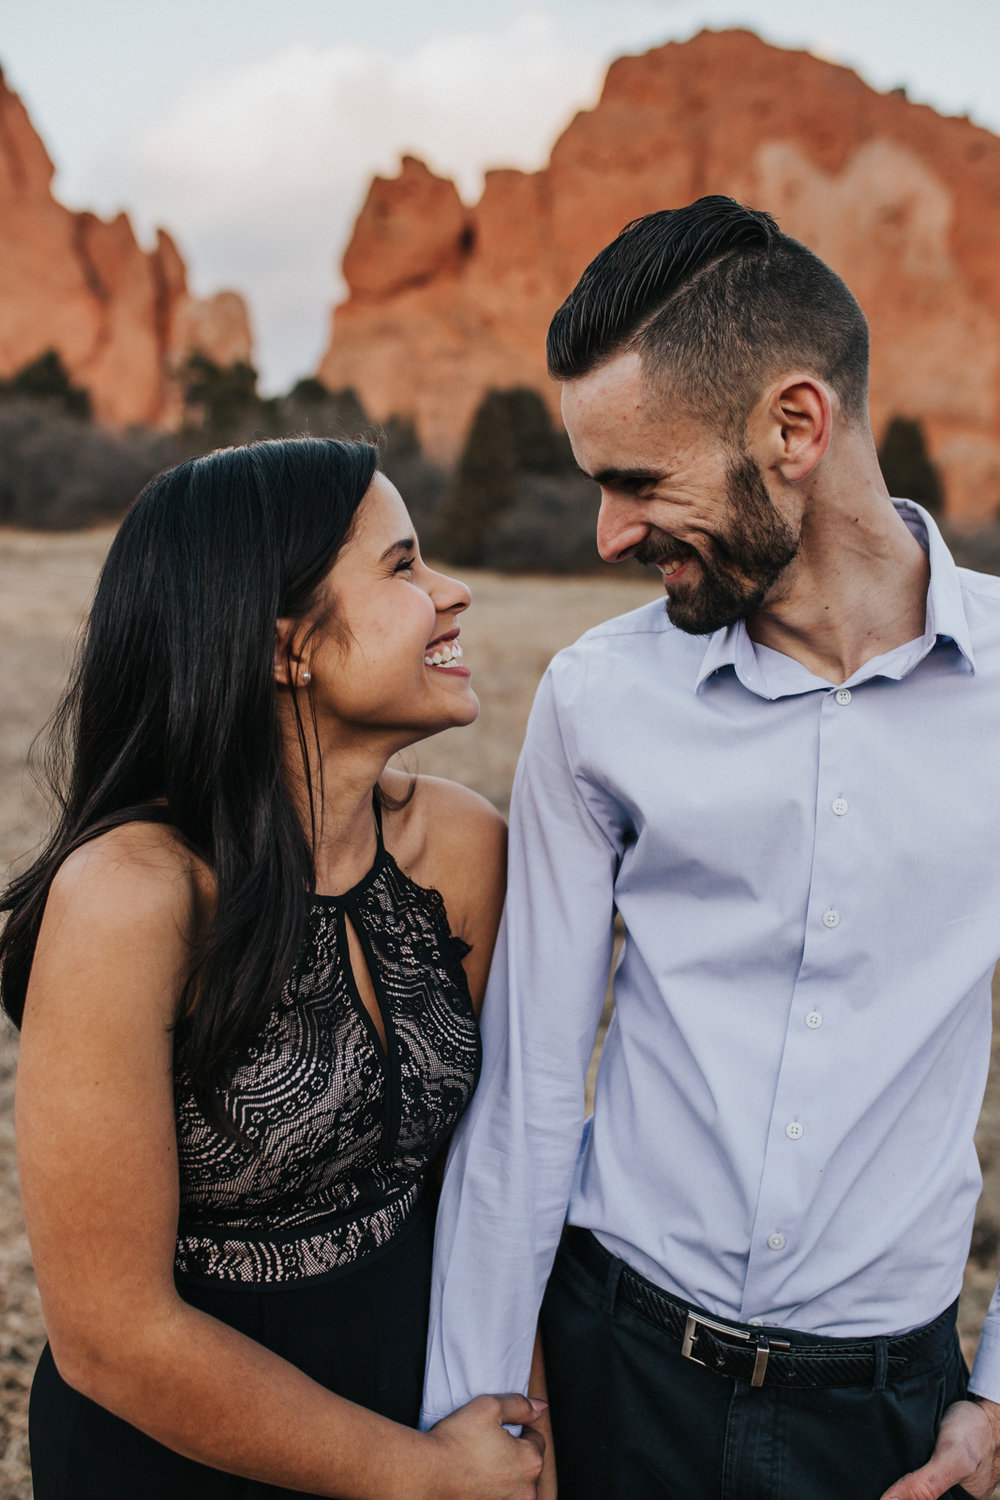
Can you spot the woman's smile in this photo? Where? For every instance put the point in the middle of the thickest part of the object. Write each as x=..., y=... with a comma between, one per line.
x=444, y=654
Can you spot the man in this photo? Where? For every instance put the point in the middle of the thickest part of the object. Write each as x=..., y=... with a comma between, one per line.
x=786, y=785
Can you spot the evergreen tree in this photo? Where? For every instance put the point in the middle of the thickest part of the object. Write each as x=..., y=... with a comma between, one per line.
x=45, y=379
x=906, y=465
x=511, y=435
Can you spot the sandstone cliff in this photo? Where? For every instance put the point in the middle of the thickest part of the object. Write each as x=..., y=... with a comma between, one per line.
x=120, y=318
x=447, y=301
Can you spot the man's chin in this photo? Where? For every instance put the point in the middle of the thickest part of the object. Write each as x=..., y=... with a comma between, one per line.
x=703, y=617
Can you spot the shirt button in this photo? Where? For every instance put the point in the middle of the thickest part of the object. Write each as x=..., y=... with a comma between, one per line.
x=755, y=1322
x=776, y=1241
x=794, y=1131
x=839, y=806
x=843, y=695
x=831, y=918
x=814, y=1020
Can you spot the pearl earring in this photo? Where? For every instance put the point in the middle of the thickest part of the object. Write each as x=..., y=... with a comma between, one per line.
x=305, y=677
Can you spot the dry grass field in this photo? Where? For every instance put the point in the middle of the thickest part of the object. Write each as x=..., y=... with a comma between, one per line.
x=515, y=625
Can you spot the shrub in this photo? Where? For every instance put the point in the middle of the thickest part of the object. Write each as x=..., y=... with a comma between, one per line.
x=57, y=472
x=422, y=483
x=548, y=528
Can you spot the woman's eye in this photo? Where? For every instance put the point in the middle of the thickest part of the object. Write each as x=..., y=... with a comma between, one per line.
x=404, y=565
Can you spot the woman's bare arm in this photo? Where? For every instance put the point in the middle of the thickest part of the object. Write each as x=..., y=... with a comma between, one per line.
x=98, y=1162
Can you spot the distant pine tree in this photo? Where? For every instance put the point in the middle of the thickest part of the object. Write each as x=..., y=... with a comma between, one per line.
x=221, y=403
x=511, y=435
x=906, y=465
x=310, y=407
x=45, y=379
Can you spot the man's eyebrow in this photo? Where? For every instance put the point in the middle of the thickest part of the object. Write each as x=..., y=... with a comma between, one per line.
x=406, y=544
x=634, y=475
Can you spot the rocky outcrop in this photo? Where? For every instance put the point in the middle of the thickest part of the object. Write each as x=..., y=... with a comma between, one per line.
x=120, y=318
x=446, y=302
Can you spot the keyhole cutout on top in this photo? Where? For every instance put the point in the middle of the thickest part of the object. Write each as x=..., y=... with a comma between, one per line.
x=362, y=981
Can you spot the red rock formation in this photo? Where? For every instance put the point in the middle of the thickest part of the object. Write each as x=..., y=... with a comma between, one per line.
x=120, y=318
x=903, y=203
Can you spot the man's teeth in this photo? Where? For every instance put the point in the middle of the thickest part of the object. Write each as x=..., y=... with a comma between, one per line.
x=445, y=655
x=669, y=565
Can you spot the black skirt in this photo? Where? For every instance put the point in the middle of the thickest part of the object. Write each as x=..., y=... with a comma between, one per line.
x=362, y=1335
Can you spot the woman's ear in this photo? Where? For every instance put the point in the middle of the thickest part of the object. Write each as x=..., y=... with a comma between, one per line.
x=289, y=669
x=794, y=422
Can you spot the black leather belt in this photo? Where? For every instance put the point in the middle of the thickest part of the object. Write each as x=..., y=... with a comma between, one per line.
x=758, y=1355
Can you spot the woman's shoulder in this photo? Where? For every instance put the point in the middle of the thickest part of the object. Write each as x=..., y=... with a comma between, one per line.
x=450, y=839
x=132, y=873
x=441, y=820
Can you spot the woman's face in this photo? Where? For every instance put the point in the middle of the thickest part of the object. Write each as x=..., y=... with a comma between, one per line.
x=388, y=661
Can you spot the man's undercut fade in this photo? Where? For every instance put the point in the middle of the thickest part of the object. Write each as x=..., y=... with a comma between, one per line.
x=716, y=301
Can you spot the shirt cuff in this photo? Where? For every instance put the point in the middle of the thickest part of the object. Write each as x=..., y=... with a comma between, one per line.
x=985, y=1378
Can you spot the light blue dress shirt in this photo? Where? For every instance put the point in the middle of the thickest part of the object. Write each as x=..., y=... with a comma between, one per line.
x=809, y=878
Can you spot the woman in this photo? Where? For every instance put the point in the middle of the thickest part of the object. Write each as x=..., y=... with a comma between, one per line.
x=243, y=969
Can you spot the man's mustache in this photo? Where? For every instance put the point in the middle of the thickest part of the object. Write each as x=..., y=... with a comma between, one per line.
x=658, y=545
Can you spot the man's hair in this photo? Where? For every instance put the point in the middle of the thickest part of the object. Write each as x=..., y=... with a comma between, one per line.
x=716, y=301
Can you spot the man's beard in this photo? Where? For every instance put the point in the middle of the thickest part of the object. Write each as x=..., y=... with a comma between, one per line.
x=741, y=564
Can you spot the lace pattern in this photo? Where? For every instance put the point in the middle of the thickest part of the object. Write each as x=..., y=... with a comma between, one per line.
x=337, y=1130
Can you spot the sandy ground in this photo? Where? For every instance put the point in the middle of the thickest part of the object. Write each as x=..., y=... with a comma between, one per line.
x=513, y=628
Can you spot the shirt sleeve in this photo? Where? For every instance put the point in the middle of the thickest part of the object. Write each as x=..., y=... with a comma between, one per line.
x=512, y=1163
x=985, y=1378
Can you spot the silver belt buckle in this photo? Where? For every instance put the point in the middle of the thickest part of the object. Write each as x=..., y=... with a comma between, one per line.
x=762, y=1346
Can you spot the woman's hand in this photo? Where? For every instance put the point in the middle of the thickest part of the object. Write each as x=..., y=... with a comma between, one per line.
x=479, y=1460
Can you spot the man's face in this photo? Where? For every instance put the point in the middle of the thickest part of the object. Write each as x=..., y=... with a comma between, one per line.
x=674, y=495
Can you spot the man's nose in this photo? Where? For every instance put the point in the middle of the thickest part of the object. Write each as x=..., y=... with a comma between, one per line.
x=621, y=527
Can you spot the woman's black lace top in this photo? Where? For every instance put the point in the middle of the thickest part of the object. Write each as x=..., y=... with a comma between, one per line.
x=337, y=1130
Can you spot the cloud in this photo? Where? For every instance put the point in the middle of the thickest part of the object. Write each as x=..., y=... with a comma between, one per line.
x=260, y=171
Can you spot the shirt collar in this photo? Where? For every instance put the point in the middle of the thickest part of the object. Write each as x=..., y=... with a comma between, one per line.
x=945, y=620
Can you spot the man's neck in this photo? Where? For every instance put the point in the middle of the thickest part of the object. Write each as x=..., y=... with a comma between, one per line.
x=857, y=590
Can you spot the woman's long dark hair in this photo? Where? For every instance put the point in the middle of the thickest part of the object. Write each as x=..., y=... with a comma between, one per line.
x=172, y=715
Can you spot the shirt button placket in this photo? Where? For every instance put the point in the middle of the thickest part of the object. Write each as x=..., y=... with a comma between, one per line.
x=832, y=867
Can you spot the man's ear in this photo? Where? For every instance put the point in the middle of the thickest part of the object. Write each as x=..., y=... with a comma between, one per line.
x=793, y=425
x=289, y=668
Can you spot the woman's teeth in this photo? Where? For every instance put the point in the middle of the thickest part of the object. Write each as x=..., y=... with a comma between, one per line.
x=444, y=655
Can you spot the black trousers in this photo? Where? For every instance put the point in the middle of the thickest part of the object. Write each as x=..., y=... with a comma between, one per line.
x=634, y=1420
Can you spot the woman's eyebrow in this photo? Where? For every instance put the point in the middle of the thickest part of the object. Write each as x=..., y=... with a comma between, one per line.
x=407, y=544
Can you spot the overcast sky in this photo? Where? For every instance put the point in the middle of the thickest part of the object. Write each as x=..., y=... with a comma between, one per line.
x=250, y=129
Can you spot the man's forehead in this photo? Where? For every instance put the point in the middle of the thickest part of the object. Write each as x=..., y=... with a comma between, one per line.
x=621, y=426
x=619, y=381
